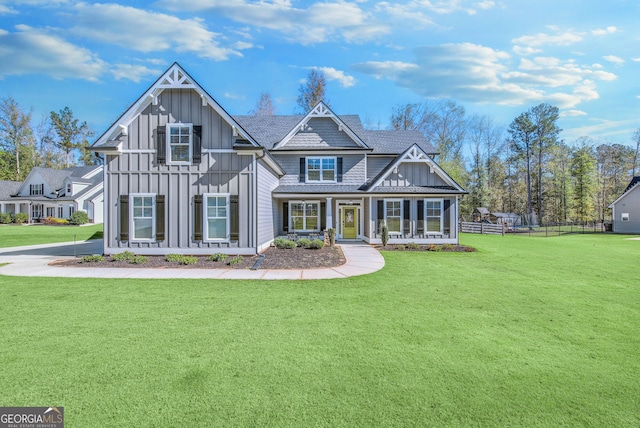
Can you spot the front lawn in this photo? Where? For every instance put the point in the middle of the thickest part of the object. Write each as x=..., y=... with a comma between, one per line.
x=523, y=332
x=17, y=235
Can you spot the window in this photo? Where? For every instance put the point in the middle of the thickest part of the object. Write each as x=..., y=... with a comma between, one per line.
x=624, y=217
x=143, y=217
x=72, y=209
x=36, y=211
x=433, y=215
x=304, y=216
x=393, y=215
x=69, y=189
x=179, y=142
x=216, y=213
x=60, y=212
x=51, y=211
x=36, y=189
x=322, y=170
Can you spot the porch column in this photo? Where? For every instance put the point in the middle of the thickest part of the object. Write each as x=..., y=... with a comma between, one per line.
x=329, y=214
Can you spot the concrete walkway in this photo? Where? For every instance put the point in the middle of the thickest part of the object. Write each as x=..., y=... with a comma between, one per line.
x=34, y=261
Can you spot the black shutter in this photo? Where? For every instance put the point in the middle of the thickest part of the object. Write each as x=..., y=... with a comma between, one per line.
x=197, y=217
x=380, y=214
x=339, y=166
x=446, y=224
x=161, y=145
x=235, y=217
x=197, y=144
x=160, y=207
x=420, y=215
x=406, y=224
x=302, y=170
x=124, y=217
x=285, y=217
x=323, y=215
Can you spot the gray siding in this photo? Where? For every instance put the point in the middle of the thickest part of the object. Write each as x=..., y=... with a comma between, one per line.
x=630, y=204
x=267, y=227
x=413, y=174
x=377, y=164
x=353, y=168
x=321, y=132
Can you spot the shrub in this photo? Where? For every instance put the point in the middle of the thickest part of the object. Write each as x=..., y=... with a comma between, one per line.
x=303, y=242
x=284, y=243
x=95, y=258
x=413, y=246
x=173, y=257
x=5, y=218
x=55, y=221
x=139, y=260
x=385, y=235
x=316, y=244
x=79, y=217
x=332, y=236
x=19, y=218
x=218, y=257
x=448, y=247
x=433, y=247
x=188, y=260
x=235, y=261
x=123, y=257
x=401, y=247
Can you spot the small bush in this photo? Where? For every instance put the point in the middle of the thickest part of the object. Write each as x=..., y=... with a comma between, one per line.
x=173, y=257
x=79, y=217
x=304, y=242
x=448, y=247
x=188, y=260
x=401, y=247
x=139, y=260
x=95, y=258
x=235, y=261
x=316, y=244
x=284, y=243
x=413, y=246
x=5, y=218
x=19, y=218
x=385, y=235
x=433, y=247
x=218, y=257
x=123, y=257
x=55, y=221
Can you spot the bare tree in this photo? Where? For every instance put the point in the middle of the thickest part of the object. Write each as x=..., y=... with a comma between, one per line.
x=264, y=106
x=636, y=138
x=312, y=91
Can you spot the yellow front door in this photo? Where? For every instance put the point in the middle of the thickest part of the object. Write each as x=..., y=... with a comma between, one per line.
x=349, y=223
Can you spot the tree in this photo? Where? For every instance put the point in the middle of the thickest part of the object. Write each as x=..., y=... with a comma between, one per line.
x=522, y=132
x=544, y=118
x=16, y=140
x=71, y=134
x=48, y=154
x=264, y=106
x=583, y=170
x=312, y=91
x=636, y=139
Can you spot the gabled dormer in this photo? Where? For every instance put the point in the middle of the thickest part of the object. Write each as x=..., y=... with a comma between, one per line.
x=321, y=129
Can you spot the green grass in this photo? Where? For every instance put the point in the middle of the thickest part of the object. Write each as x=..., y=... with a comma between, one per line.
x=12, y=235
x=524, y=332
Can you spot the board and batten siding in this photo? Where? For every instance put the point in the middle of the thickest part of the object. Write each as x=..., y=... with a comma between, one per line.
x=353, y=167
x=266, y=221
x=376, y=164
x=413, y=174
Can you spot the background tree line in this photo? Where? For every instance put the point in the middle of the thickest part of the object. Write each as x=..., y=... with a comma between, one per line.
x=59, y=141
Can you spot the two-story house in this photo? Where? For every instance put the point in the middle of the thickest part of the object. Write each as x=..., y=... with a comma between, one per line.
x=184, y=176
x=49, y=192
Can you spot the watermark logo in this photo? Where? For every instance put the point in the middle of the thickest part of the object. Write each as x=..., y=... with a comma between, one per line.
x=31, y=417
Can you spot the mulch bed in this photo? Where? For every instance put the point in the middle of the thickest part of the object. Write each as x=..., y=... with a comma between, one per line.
x=445, y=248
x=296, y=258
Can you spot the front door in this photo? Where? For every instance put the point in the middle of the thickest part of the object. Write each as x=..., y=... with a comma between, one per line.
x=349, y=222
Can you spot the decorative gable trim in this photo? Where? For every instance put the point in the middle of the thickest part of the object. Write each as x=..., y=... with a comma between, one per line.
x=414, y=154
x=321, y=110
x=174, y=78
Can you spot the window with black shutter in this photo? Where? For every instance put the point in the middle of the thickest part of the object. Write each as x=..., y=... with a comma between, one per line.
x=285, y=217
x=197, y=218
x=234, y=220
x=197, y=144
x=406, y=224
x=124, y=217
x=161, y=145
x=160, y=215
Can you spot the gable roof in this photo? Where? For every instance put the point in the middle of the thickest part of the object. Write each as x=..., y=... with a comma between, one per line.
x=55, y=178
x=635, y=182
x=8, y=188
x=174, y=78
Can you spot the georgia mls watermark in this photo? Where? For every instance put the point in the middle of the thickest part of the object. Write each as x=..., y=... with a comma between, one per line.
x=31, y=417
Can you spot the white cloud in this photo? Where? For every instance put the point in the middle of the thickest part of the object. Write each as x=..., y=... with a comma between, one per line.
x=541, y=39
x=614, y=59
x=6, y=10
x=331, y=73
x=131, y=72
x=385, y=69
x=148, y=31
x=605, y=31
x=33, y=51
x=232, y=96
x=635, y=59
x=572, y=113
x=487, y=4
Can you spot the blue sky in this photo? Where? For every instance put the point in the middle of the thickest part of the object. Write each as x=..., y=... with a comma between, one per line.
x=496, y=58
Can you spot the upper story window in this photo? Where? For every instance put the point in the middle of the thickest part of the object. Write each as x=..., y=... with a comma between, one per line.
x=179, y=142
x=624, y=217
x=69, y=189
x=36, y=189
x=321, y=170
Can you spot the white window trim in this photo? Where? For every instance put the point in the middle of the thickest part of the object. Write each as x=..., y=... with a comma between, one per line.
x=132, y=229
x=168, y=143
x=36, y=189
x=205, y=218
x=624, y=217
x=320, y=158
x=60, y=212
x=305, y=216
x=395, y=232
x=441, y=200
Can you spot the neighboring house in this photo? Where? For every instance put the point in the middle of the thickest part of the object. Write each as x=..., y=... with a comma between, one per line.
x=49, y=192
x=510, y=219
x=480, y=214
x=8, y=188
x=184, y=176
x=626, y=209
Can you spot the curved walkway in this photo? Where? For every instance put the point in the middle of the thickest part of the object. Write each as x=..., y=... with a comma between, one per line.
x=34, y=261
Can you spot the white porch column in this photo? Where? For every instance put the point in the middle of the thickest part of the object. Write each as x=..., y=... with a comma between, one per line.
x=329, y=212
